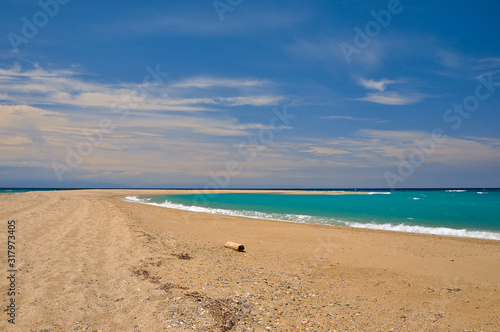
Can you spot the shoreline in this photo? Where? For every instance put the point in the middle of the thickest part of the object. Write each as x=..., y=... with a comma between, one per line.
x=90, y=261
x=390, y=227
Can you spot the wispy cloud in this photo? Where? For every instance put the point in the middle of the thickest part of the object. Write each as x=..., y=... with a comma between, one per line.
x=340, y=117
x=449, y=59
x=452, y=151
x=253, y=100
x=384, y=148
x=487, y=63
x=462, y=66
x=375, y=85
x=210, y=82
x=326, y=150
x=387, y=97
x=154, y=147
x=31, y=136
x=63, y=87
x=392, y=98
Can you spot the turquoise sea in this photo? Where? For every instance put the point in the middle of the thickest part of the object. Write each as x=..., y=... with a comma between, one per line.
x=465, y=212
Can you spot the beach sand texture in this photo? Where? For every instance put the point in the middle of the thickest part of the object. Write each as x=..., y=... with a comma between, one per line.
x=88, y=261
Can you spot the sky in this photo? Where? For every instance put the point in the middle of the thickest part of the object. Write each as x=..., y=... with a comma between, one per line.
x=249, y=94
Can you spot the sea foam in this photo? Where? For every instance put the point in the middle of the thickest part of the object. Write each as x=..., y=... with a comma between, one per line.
x=444, y=231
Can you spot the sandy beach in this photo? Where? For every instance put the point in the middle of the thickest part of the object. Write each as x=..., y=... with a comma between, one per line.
x=88, y=261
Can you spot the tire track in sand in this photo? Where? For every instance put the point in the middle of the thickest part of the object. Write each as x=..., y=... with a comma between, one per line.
x=76, y=271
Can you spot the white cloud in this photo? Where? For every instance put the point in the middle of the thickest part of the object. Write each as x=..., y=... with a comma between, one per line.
x=339, y=117
x=47, y=112
x=386, y=97
x=392, y=98
x=190, y=146
x=210, y=82
x=62, y=87
x=385, y=148
x=253, y=100
x=327, y=151
x=376, y=85
x=147, y=142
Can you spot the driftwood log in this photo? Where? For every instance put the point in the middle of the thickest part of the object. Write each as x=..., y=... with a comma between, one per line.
x=234, y=246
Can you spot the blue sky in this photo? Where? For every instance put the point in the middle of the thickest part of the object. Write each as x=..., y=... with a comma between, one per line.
x=249, y=94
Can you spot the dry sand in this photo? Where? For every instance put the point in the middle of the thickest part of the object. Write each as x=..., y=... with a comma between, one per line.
x=88, y=261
